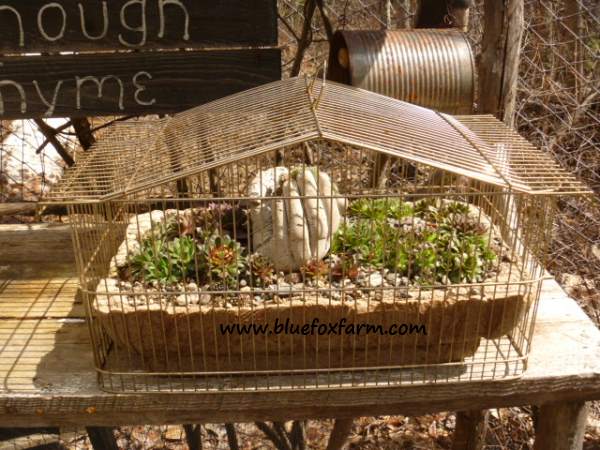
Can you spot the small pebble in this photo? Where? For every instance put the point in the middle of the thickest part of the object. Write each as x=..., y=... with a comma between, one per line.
x=205, y=299
x=293, y=277
x=374, y=280
x=181, y=300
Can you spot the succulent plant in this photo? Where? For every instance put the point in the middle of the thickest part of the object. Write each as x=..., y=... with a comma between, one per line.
x=187, y=223
x=164, y=262
x=223, y=259
x=448, y=245
x=380, y=209
x=316, y=269
x=261, y=269
x=466, y=225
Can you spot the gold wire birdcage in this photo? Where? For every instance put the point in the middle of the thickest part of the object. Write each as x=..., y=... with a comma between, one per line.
x=310, y=235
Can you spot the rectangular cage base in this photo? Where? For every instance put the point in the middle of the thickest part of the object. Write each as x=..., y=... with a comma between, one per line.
x=121, y=374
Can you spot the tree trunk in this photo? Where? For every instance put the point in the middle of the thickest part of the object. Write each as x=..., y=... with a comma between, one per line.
x=572, y=31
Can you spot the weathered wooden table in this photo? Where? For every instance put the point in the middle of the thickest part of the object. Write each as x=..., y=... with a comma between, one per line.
x=47, y=375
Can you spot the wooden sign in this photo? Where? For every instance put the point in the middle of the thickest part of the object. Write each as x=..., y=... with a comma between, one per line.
x=128, y=84
x=152, y=56
x=75, y=25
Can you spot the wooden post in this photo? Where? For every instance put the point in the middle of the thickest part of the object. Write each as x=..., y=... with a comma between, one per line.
x=404, y=14
x=561, y=426
x=339, y=434
x=232, y=439
x=83, y=130
x=469, y=433
x=193, y=436
x=500, y=57
x=512, y=57
x=102, y=438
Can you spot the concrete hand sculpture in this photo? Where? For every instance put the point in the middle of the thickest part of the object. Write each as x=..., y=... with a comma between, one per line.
x=297, y=225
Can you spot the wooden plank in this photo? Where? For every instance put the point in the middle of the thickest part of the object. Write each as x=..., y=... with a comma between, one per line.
x=10, y=209
x=29, y=209
x=35, y=280
x=72, y=25
x=35, y=242
x=131, y=83
x=58, y=298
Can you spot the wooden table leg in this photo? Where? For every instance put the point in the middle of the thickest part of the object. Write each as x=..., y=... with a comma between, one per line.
x=102, y=438
x=469, y=433
x=193, y=436
x=561, y=426
x=232, y=439
x=339, y=434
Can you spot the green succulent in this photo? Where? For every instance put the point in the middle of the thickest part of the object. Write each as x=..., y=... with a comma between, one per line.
x=162, y=261
x=380, y=209
x=450, y=247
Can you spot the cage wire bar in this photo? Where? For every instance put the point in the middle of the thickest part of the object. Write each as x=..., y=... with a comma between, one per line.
x=169, y=220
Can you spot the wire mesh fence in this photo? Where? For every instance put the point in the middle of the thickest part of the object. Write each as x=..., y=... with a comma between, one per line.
x=25, y=172
x=559, y=110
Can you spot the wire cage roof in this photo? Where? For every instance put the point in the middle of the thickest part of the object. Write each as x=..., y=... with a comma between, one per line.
x=137, y=155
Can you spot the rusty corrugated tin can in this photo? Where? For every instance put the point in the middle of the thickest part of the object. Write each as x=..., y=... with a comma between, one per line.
x=431, y=68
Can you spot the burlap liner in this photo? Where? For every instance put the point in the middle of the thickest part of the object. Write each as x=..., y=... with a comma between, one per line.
x=454, y=325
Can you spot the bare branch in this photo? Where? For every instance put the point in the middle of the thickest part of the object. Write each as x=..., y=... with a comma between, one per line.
x=306, y=36
x=50, y=134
